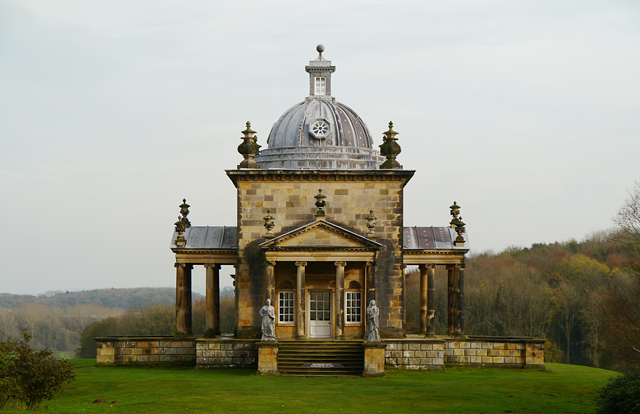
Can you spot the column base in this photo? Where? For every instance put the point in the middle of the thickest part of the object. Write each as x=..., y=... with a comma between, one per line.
x=302, y=337
x=210, y=333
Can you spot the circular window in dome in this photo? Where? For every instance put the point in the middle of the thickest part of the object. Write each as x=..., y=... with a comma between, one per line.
x=319, y=129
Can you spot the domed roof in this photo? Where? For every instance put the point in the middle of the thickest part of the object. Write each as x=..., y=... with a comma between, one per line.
x=319, y=133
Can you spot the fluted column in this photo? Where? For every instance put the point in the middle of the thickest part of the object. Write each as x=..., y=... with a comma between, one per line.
x=300, y=276
x=423, y=300
x=183, y=299
x=213, y=300
x=270, y=282
x=339, y=306
x=431, y=300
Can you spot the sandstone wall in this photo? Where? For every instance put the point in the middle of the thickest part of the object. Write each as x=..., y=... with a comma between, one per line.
x=145, y=351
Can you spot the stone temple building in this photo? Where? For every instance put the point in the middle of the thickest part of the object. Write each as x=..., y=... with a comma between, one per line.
x=320, y=233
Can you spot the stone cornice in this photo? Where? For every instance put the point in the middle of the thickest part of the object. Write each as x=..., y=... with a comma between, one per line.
x=249, y=175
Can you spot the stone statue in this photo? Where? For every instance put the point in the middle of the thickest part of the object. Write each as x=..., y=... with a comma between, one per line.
x=373, y=334
x=268, y=322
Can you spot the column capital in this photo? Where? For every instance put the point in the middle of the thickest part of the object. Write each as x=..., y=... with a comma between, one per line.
x=271, y=263
x=179, y=265
x=340, y=264
x=369, y=263
x=301, y=264
x=212, y=265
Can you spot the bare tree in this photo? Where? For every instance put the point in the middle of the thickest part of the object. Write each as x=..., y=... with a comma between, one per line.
x=8, y=323
x=628, y=220
x=569, y=306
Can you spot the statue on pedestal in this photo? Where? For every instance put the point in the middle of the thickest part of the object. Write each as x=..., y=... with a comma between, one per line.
x=373, y=334
x=268, y=322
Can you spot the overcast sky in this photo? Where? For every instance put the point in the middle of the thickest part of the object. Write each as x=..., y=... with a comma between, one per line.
x=527, y=113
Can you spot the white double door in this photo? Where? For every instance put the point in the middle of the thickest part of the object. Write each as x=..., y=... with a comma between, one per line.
x=319, y=314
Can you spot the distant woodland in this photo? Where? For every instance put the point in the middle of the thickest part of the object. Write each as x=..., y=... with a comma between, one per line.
x=581, y=296
x=57, y=319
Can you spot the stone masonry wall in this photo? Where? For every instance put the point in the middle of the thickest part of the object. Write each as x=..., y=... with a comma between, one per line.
x=290, y=197
x=414, y=355
x=145, y=351
x=226, y=353
x=528, y=353
x=426, y=354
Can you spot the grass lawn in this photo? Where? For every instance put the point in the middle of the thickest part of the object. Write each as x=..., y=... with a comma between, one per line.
x=561, y=389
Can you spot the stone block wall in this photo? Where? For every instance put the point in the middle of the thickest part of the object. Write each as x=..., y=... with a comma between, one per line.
x=433, y=354
x=487, y=351
x=414, y=354
x=226, y=353
x=116, y=351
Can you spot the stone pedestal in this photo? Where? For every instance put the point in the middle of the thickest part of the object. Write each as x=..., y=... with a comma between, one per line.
x=374, y=354
x=534, y=355
x=268, y=358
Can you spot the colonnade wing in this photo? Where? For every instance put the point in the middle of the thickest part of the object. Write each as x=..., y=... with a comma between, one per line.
x=209, y=246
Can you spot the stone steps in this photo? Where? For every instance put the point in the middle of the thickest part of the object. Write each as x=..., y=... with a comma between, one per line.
x=321, y=358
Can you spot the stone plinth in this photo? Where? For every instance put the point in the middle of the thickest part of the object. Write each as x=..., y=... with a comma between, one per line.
x=268, y=358
x=534, y=355
x=374, y=356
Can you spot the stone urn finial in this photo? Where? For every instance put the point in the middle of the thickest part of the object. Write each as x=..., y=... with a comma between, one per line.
x=269, y=224
x=371, y=225
x=390, y=149
x=184, y=210
x=320, y=203
x=180, y=240
x=249, y=148
x=459, y=242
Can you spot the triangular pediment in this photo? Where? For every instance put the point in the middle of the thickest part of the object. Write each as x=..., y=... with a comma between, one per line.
x=320, y=234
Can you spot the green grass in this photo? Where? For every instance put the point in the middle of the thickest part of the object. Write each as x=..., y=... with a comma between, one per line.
x=561, y=389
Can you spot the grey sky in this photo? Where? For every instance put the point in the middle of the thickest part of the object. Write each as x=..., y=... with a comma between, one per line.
x=524, y=112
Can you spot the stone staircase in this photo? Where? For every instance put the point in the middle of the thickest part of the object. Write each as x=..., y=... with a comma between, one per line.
x=321, y=358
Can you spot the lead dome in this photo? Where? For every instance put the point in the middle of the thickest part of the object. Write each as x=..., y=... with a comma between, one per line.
x=320, y=133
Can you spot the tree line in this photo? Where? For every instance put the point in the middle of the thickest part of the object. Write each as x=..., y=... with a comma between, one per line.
x=159, y=319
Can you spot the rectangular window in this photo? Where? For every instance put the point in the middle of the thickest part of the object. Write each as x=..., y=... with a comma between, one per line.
x=321, y=86
x=285, y=307
x=354, y=307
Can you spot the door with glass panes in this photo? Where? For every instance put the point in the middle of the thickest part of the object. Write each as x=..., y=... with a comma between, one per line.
x=319, y=319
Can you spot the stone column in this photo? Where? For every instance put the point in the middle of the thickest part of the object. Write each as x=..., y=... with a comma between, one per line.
x=460, y=300
x=423, y=300
x=183, y=299
x=213, y=300
x=367, y=295
x=431, y=300
x=404, y=297
x=270, y=283
x=452, y=305
x=339, y=306
x=300, y=300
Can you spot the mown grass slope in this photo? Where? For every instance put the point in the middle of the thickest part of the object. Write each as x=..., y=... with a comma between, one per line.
x=561, y=389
